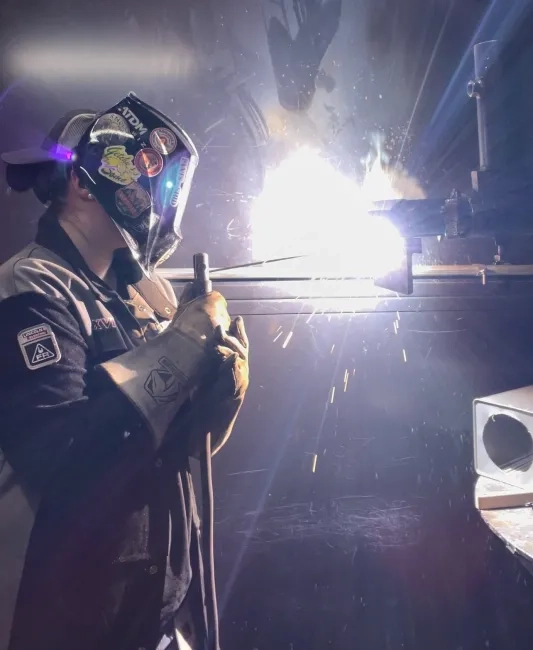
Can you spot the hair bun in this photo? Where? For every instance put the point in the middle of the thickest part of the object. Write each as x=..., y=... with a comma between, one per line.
x=22, y=178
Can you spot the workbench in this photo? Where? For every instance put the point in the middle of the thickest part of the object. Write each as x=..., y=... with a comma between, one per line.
x=514, y=526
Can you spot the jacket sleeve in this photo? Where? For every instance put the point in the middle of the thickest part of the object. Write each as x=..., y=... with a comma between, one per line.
x=52, y=404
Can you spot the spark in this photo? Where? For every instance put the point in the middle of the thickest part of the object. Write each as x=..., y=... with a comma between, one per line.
x=277, y=337
x=214, y=125
x=248, y=471
x=332, y=385
x=231, y=230
x=315, y=458
x=404, y=355
x=396, y=327
x=332, y=348
x=346, y=377
x=286, y=342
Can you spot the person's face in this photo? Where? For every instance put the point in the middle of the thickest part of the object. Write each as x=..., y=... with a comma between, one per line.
x=91, y=216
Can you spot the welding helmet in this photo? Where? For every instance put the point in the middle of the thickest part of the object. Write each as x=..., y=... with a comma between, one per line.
x=137, y=163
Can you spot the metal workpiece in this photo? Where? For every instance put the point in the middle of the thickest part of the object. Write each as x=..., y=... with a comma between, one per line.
x=265, y=274
x=503, y=442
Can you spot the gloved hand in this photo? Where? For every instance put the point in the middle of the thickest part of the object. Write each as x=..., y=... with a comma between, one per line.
x=199, y=318
x=158, y=376
x=214, y=407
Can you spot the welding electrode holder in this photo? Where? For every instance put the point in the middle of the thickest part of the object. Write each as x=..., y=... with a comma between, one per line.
x=201, y=283
x=201, y=286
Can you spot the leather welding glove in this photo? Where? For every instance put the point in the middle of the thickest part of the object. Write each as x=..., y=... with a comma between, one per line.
x=158, y=376
x=214, y=407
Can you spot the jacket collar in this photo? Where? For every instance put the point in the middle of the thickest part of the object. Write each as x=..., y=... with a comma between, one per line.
x=52, y=236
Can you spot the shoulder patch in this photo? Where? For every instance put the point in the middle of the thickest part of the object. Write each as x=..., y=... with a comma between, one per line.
x=39, y=346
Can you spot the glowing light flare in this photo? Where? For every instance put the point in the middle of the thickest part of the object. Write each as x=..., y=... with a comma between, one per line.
x=308, y=207
x=113, y=55
x=63, y=154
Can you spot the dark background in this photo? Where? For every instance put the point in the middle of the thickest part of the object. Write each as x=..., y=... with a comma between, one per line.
x=380, y=547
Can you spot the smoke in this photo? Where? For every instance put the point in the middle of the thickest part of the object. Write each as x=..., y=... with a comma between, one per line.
x=384, y=179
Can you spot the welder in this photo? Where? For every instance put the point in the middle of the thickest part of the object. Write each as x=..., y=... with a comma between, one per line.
x=107, y=388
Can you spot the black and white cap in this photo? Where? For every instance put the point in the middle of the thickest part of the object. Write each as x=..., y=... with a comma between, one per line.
x=59, y=144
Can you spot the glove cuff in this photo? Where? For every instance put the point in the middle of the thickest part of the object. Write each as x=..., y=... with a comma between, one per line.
x=158, y=376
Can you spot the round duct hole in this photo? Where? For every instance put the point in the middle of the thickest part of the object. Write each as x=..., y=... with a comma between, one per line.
x=508, y=443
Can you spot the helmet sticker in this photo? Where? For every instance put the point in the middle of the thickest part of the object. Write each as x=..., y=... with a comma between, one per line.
x=132, y=119
x=132, y=200
x=110, y=129
x=148, y=162
x=163, y=141
x=117, y=166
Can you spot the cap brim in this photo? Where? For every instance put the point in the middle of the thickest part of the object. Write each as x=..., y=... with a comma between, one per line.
x=28, y=156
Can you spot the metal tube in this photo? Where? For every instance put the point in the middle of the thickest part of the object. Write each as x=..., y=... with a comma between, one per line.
x=486, y=56
x=202, y=286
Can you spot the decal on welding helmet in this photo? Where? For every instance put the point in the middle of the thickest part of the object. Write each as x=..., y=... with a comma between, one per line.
x=163, y=140
x=111, y=129
x=133, y=119
x=132, y=200
x=117, y=165
x=184, y=166
x=148, y=162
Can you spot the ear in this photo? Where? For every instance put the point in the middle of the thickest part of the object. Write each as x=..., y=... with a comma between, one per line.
x=79, y=188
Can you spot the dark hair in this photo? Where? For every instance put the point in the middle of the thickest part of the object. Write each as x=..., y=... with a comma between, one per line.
x=49, y=181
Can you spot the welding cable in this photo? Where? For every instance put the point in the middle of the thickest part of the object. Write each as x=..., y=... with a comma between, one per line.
x=207, y=529
x=208, y=553
x=202, y=286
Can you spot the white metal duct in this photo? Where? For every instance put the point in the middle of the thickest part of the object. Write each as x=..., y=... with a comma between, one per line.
x=503, y=439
